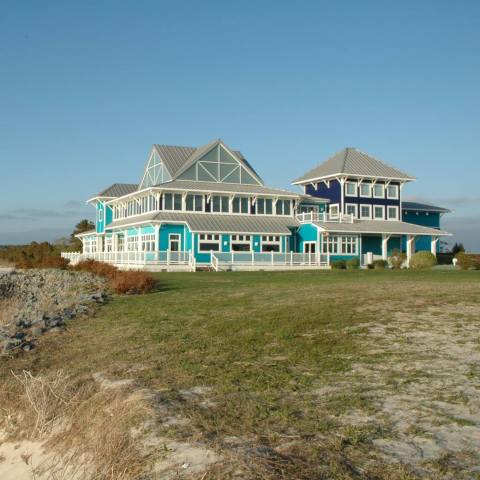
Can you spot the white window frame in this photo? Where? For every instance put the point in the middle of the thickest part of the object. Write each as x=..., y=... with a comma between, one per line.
x=369, y=195
x=340, y=244
x=382, y=186
x=173, y=209
x=383, y=212
x=355, y=206
x=240, y=205
x=241, y=239
x=363, y=217
x=209, y=238
x=195, y=198
x=396, y=212
x=100, y=215
x=280, y=204
x=336, y=206
x=175, y=237
x=132, y=243
x=273, y=240
x=346, y=189
x=221, y=197
x=397, y=189
x=109, y=244
x=264, y=200
x=148, y=242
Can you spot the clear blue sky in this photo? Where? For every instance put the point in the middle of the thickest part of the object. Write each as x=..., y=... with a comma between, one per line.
x=86, y=88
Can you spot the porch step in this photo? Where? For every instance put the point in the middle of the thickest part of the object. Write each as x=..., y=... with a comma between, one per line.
x=204, y=268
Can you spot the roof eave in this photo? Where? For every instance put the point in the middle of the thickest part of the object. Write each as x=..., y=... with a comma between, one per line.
x=300, y=181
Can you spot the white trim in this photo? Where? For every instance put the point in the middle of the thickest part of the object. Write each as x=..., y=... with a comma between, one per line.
x=353, y=175
x=397, y=196
x=383, y=212
x=355, y=214
x=360, y=194
x=397, y=209
x=349, y=182
x=217, y=241
x=378, y=185
x=362, y=217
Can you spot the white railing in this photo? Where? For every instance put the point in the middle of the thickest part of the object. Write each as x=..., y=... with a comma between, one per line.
x=192, y=261
x=223, y=259
x=165, y=257
x=311, y=217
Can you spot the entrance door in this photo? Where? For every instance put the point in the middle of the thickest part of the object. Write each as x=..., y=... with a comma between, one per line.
x=174, y=242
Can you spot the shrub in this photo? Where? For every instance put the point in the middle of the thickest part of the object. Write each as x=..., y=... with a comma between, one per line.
x=131, y=282
x=380, y=264
x=353, y=263
x=422, y=260
x=338, y=264
x=397, y=259
x=48, y=261
x=101, y=269
x=467, y=260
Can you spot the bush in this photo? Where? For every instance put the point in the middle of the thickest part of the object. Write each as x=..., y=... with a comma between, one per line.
x=467, y=260
x=380, y=264
x=422, y=260
x=124, y=282
x=49, y=261
x=339, y=265
x=353, y=264
x=131, y=282
x=101, y=269
x=397, y=259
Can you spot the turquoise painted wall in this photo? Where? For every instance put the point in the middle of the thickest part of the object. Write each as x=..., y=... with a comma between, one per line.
x=226, y=238
x=306, y=233
x=257, y=243
x=372, y=244
x=100, y=224
x=166, y=230
x=426, y=219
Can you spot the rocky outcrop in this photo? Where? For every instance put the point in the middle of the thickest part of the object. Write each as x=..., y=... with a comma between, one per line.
x=34, y=302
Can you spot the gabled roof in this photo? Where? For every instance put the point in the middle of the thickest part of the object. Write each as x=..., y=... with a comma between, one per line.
x=178, y=159
x=118, y=190
x=423, y=207
x=351, y=161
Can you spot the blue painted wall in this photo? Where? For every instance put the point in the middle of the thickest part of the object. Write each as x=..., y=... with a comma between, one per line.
x=306, y=233
x=358, y=200
x=333, y=193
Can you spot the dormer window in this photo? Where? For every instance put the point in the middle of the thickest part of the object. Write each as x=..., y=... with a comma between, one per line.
x=240, y=205
x=194, y=203
x=264, y=206
x=366, y=190
x=378, y=191
x=392, y=192
x=351, y=189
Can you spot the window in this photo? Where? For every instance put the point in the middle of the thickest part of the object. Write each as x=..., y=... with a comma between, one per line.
x=378, y=190
x=351, y=209
x=132, y=243
x=264, y=206
x=366, y=190
x=90, y=245
x=240, y=205
x=271, y=243
x=194, y=203
x=351, y=189
x=148, y=242
x=334, y=210
x=392, y=213
x=379, y=212
x=241, y=243
x=208, y=242
x=120, y=246
x=365, y=211
x=220, y=204
x=340, y=244
x=283, y=207
x=172, y=201
x=392, y=192
x=109, y=244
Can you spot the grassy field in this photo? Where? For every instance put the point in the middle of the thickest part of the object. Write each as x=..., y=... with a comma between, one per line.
x=343, y=375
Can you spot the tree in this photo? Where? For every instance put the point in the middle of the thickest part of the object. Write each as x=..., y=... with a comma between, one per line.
x=82, y=226
x=458, y=247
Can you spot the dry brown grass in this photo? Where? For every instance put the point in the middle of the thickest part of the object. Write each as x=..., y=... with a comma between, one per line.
x=89, y=430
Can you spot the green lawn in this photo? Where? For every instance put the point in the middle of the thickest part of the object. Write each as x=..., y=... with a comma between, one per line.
x=286, y=357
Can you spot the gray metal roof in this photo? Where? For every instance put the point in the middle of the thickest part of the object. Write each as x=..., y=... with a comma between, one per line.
x=215, y=223
x=351, y=161
x=379, y=226
x=177, y=159
x=423, y=207
x=192, y=185
x=118, y=190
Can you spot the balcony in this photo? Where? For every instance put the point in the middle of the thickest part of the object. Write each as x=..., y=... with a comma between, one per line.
x=312, y=217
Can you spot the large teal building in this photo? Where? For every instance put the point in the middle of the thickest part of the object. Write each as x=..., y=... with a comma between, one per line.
x=207, y=207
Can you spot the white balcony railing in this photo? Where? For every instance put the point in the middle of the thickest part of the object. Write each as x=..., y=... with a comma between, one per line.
x=165, y=257
x=311, y=217
x=224, y=259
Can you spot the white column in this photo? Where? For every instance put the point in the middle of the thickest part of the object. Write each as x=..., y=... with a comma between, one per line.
x=434, y=245
x=157, y=240
x=410, y=247
x=385, y=239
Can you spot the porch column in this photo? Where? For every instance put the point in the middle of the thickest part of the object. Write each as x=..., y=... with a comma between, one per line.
x=434, y=245
x=385, y=239
x=157, y=241
x=410, y=247
x=125, y=234
x=139, y=239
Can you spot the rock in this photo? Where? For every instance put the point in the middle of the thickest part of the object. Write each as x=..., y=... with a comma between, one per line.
x=36, y=331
